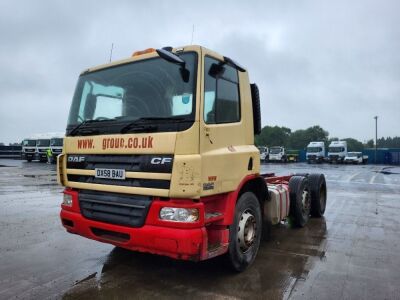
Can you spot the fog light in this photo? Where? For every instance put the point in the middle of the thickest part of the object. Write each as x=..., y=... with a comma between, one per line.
x=67, y=200
x=177, y=214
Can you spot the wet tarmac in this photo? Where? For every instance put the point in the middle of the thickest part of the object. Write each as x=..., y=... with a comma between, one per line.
x=352, y=253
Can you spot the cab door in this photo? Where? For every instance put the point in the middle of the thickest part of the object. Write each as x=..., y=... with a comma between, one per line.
x=226, y=133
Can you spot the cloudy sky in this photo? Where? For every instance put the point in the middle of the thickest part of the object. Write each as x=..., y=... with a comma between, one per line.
x=331, y=63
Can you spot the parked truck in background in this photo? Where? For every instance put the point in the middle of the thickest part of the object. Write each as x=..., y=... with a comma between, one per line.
x=264, y=153
x=28, y=149
x=337, y=151
x=56, y=145
x=315, y=152
x=356, y=158
x=292, y=155
x=42, y=144
x=159, y=157
x=277, y=153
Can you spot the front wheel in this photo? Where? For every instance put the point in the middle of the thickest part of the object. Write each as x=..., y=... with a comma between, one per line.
x=245, y=232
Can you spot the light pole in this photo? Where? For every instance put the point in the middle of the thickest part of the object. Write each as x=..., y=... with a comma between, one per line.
x=376, y=136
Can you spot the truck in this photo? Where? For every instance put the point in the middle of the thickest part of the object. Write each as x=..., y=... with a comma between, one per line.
x=28, y=149
x=315, y=152
x=159, y=157
x=292, y=155
x=56, y=145
x=355, y=158
x=277, y=153
x=264, y=153
x=42, y=144
x=337, y=151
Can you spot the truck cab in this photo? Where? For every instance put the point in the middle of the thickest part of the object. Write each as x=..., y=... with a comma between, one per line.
x=264, y=153
x=277, y=153
x=28, y=149
x=56, y=145
x=315, y=152
x=337, y=151
x=159, y=157
x=42, y=144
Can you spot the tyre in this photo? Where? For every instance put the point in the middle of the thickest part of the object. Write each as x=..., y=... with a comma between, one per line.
x=29, y=160
x=245, y=232
x=255, y=97
x=318, y=193
x=300, y=200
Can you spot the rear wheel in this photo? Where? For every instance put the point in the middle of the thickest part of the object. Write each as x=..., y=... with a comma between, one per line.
x=300, y=200
x=245, y=232
x=318, y=194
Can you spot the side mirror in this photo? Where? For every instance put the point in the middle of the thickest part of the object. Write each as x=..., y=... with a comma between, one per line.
x=90, y=106
x=171, y=57
x=216, y=70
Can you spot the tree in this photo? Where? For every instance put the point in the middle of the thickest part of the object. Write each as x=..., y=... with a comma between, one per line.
x=273, y=136
x=301, y=138
x=353, y=144
x=369, y=144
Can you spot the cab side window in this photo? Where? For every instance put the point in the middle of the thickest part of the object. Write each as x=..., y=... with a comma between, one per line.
x=221, y=93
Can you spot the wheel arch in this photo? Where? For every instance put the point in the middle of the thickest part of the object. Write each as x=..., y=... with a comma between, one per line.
x=258, y=186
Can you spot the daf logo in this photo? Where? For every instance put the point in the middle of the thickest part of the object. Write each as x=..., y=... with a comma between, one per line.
x=160, y=160
x=76, y=159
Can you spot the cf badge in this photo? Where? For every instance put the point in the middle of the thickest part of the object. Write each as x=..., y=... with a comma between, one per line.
x=160, y=160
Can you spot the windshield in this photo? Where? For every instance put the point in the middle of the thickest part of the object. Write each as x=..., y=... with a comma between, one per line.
x=43, y=143
x=314, y=149
x=275, y=150
x=152, y=89
x=56, y=142
x=262, y=149
x=336, y=149
x=29, y=143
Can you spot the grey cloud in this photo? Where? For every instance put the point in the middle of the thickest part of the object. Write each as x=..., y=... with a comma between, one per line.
x=333, y=63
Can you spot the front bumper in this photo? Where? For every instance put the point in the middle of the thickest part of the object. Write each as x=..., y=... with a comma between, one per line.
x=180, y=240
x=179, y=243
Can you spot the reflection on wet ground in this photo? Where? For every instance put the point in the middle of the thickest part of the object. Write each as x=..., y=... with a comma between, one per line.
x=280, y=262
x=352, y=253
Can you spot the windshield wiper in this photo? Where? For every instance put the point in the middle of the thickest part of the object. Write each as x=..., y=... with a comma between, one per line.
x=141, y=124
x=80, y=125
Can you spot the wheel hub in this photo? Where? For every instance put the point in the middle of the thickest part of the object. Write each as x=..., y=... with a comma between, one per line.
x=305, y=199
x=247, y=229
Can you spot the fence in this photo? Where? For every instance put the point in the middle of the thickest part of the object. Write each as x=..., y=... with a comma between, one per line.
x=10, y=151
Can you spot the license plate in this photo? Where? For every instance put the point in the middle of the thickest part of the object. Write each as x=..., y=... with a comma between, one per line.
x=109, y=173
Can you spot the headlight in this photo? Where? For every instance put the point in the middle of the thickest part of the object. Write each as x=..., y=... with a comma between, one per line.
x=179, y=214
x=67, y=201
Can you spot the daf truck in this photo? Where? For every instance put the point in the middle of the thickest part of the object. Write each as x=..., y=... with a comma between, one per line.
x=315, y=152
x=159, y=157
x=337, y=151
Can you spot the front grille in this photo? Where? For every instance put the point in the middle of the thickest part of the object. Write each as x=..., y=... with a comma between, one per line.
x=113, y=208
x=131, y=182
x=130, y=163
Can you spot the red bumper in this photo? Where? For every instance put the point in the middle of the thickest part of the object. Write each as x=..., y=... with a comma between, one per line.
x=177, y=243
